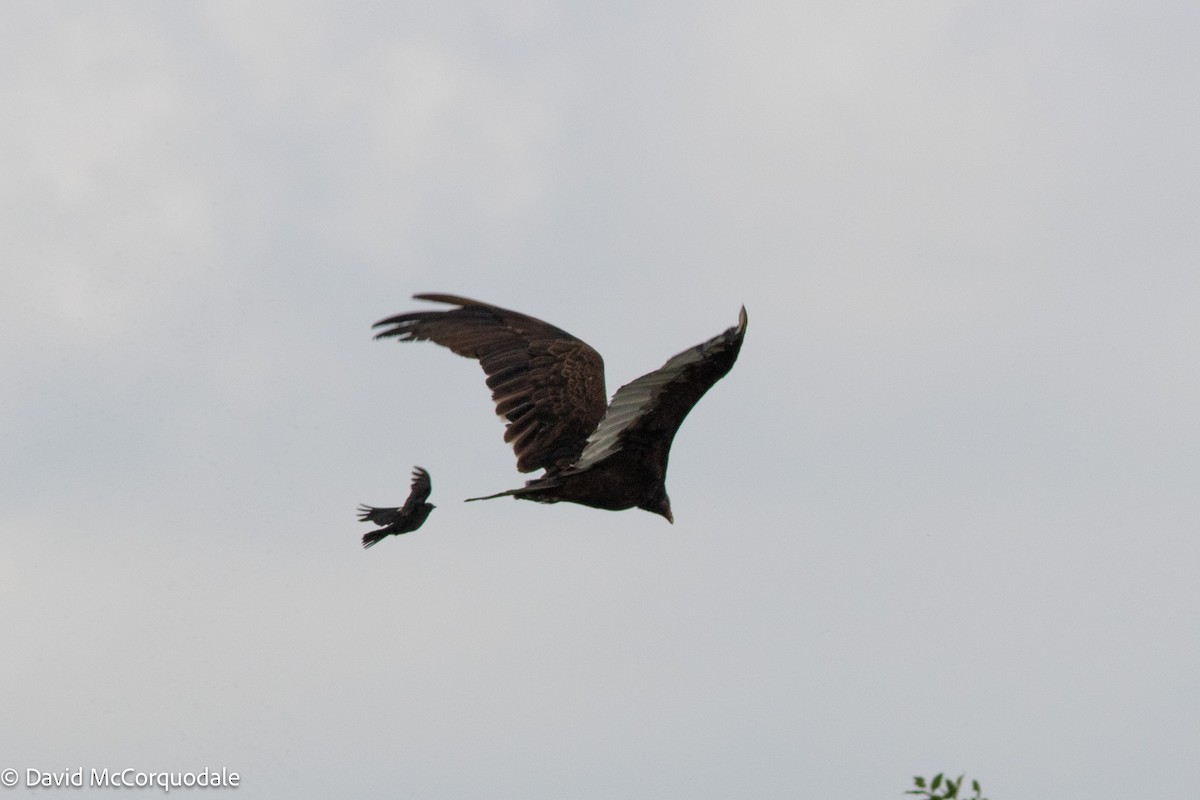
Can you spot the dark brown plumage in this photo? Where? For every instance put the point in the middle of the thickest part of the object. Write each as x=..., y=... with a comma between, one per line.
x=406, y=518
x=549, y=386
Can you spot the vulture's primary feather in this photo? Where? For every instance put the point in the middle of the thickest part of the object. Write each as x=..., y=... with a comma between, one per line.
x=549, y=387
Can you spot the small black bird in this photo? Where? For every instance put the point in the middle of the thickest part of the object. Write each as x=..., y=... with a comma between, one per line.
x=549, y=387
x=406, y=518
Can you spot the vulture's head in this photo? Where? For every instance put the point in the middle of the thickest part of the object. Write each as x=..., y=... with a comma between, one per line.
x=660, y=504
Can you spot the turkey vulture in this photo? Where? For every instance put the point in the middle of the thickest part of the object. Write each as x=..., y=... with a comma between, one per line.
x=406, y=518
x=549, y=386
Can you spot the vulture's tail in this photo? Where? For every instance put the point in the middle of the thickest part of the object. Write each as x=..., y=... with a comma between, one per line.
x=530, y=491
x=510, y=492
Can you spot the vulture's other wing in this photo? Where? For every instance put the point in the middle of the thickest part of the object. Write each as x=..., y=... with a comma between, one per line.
x=645, y=414
x=547, y=384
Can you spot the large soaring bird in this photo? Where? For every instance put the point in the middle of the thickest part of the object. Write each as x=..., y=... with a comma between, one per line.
x=549, y=386
x=406, y=518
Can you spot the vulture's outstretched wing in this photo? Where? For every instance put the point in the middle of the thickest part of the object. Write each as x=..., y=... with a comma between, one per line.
x=547, y=384
x=644, y=415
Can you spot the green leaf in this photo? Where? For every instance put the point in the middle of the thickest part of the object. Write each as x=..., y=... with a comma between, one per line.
x=975, y=786
x=937, y=781
x=919, y=781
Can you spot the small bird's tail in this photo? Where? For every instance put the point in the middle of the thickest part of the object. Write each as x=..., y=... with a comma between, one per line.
x=373, y=537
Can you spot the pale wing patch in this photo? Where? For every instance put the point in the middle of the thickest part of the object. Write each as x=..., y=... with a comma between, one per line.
x=633, y=399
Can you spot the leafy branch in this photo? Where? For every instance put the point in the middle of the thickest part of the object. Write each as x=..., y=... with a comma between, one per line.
x=942, y=788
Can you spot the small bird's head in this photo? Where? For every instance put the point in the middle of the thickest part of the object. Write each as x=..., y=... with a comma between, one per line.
x=660, y=504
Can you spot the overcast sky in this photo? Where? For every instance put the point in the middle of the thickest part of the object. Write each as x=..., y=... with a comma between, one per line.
x=942, y=514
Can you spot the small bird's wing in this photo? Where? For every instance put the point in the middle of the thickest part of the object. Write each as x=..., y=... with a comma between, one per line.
x=380, y=516
x=547, y=384
x=645, y=414
x=421, y=487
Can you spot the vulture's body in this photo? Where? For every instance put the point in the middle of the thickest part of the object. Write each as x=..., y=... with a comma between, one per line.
x=406, y=518
x=549, y=386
